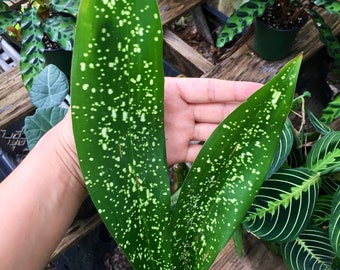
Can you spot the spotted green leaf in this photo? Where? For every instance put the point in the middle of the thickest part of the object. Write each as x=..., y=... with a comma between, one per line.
x=332, y=6
x=325, y=34
x=70, y=6
x=334, y=223
x=32, y=51
x=8, y=18
x=276, y=212
x=228, y=172
x=311, y=250
x=242, y=18
x=117, y=106
x=60, y=29
x=332, y=111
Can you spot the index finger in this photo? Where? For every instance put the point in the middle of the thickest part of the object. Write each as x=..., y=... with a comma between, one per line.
x=209, y=90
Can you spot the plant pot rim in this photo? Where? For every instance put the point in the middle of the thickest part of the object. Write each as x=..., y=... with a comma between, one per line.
x=297, y=27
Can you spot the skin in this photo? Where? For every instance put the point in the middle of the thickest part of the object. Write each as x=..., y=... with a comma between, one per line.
x=40, y=198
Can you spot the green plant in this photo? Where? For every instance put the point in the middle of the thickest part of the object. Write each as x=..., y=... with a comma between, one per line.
x=33, y=25
x=297, y=208
x=290, y=14
x=117, y=111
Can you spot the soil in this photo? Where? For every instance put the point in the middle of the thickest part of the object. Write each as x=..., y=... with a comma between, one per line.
x=284, y=15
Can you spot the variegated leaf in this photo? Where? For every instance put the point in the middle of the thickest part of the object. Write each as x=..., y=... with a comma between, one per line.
x=32, y=51
x=334, y=223
x=311, y=250
x=325, y=154
x=276, y=212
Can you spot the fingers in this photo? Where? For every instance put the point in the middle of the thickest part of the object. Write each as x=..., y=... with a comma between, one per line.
x=212, y=113
x=207, y=90
x=203, y=131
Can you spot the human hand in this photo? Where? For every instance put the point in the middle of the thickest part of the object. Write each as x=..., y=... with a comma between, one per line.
x=192, y=110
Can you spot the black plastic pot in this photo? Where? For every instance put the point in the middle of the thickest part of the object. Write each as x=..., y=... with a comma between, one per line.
x=60, y=58
x=274, y=44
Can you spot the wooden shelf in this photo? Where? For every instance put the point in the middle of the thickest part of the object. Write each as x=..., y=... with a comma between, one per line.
x=241, y=64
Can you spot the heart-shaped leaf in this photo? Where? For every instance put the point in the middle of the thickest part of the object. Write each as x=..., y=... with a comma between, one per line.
x=40, y=122
x=49, y=88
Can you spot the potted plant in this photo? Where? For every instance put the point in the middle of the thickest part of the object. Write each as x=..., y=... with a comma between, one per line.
x=283, y=15
x=121, y=145
x=38, y=26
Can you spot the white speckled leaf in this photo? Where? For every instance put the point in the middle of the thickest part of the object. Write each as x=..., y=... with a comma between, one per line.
x=229, y=171
x=117, y=109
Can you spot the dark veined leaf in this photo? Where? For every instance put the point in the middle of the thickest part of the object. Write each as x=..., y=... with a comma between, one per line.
x=330, y=182
x=325, y=154
x=229, y=171
x=240, y=19
x=283, y=149
x=321, y=127
x=326, y=36
x=311, y=250
x=334, y=223
x=332, y=6
x=40, y=122
x=276, y=212
x=322, y=211
x=49, y=88
x=32, y=51
x=117, y=111
x=332, y=111
x=8, y=18
x=61, y=29
x=69, y=6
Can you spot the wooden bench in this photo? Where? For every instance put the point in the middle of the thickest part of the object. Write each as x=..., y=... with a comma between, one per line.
x=240, y=64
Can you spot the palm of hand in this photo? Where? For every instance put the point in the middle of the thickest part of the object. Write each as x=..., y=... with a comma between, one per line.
x=192, y=110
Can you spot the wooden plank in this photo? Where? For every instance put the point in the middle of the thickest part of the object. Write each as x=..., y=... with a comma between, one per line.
x=244, y=65
x=172, y=9
x=254, y=255
x=183, y=57
x=14, y=98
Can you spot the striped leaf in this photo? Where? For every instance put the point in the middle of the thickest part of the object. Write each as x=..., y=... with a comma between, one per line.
x=117, y=106
x=229, y=171
x=330, y=183
x=322, y=211
x=276, y=212
x=334, y=224
x=325, y=154
x=321, y=127
x=284, y=148
x=311, y=250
